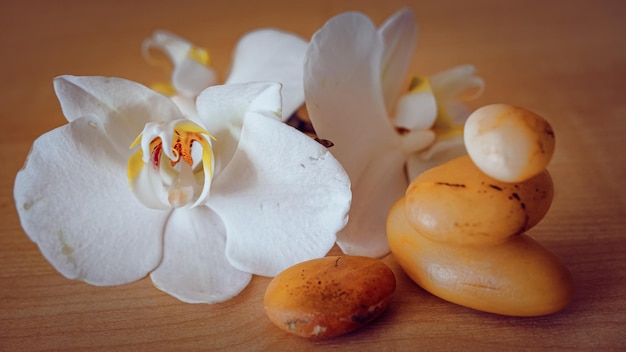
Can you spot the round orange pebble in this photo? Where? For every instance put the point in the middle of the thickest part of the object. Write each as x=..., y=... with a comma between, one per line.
x=329, y=296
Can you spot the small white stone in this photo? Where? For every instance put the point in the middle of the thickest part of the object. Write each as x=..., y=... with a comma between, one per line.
x=508, y=143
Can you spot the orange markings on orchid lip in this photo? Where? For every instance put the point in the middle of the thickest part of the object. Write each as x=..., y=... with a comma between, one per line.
x=155, y=150
x=182, y=146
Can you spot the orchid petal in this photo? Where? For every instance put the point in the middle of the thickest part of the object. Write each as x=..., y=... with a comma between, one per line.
x=187, y=107
x=416, y=111
x=190, y=77
x=222, y=109
x=146, y=183
x=439, y=153
x=342, y=84
x=121, y=106
x=383, y=182
x=73, y=200
x=399, y=34
x=194, y=268
x=457, y=83
x=272, y=55
x=457, y=112
x=282, y=198
x=191, y=73
x=175, y=47
x=417, y=140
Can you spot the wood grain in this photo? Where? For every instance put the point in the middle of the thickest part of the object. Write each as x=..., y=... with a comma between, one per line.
x=565, y=60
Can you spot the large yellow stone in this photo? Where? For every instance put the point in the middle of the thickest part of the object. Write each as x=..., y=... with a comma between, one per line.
x=518, y=277
x=458, y=204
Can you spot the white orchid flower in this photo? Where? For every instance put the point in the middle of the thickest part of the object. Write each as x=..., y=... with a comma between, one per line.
x=353, y=79
x=200, y=206
x=260, y=55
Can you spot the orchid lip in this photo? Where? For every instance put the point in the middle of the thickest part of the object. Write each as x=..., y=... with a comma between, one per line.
x=183, y=177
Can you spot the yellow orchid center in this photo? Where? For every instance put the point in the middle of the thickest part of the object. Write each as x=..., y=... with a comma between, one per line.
x=166, y=89
x=200, y=54
x=184, y=176
x=443, y=126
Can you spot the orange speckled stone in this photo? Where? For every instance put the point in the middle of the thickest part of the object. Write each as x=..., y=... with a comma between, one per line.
x=329, y=296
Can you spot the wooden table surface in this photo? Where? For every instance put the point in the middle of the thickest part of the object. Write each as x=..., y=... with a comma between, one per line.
x=566, y=60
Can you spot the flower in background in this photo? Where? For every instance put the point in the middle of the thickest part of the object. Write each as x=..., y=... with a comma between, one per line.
x=438, y=100
x=260, y=55
x=199, y=205
x=353, y=80
x=192, y=71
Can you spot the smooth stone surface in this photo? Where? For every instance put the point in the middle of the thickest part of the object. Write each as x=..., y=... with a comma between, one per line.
x=518, y=277
x=508, y=143
x=456, y=203
x=329, y=296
